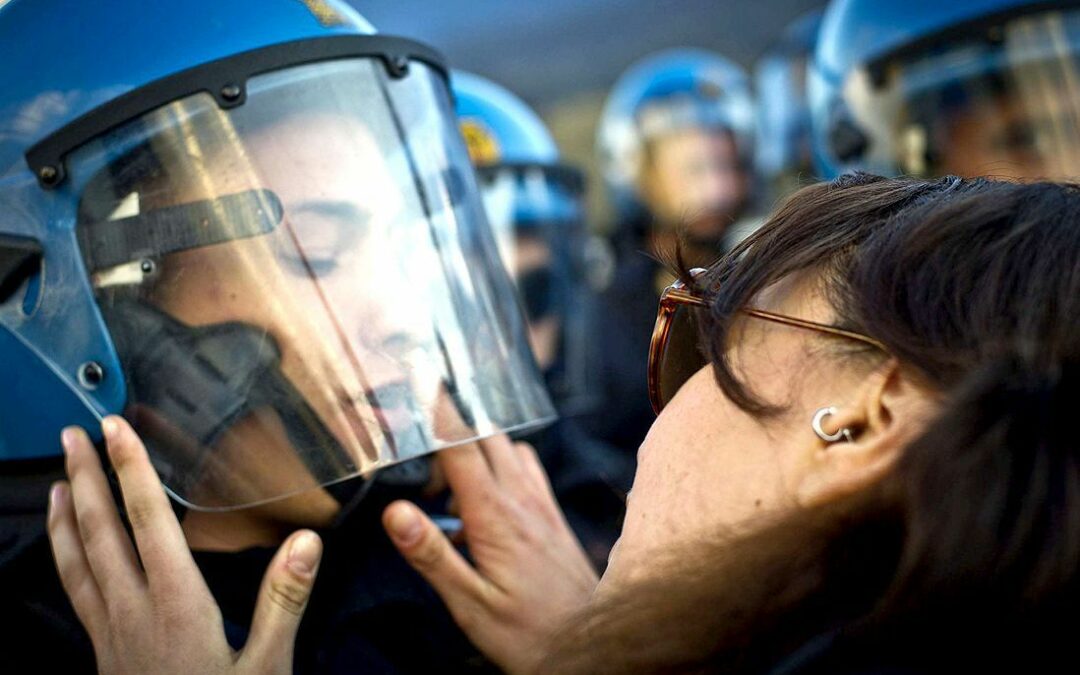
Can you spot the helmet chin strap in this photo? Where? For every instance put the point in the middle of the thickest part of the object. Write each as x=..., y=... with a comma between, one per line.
x=192, y=384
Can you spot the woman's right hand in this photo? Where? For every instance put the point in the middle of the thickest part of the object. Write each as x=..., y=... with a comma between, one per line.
x=530, y=571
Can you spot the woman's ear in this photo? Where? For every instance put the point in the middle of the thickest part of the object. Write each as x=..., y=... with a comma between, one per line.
x=889, y=412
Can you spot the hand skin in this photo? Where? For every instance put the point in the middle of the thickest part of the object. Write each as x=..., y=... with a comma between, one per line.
x=530, y=571
x=158, y=615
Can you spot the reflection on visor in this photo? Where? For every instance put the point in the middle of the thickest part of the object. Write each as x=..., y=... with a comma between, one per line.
x=201, y=381
x=302, y=288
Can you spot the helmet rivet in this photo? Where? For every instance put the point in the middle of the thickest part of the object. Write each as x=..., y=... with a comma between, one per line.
x=91, y=374
x=399, y=66
x=48, y=174
x=231, y=92
x=147, y=266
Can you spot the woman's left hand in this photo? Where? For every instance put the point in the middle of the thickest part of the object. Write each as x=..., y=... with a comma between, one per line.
x=150, y=611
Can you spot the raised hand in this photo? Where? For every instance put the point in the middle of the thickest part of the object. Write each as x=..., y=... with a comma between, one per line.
x=530, y=571
x=147, y=608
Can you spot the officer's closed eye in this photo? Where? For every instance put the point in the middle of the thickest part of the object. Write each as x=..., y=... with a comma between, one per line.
x=322, y=229
x=399, y=345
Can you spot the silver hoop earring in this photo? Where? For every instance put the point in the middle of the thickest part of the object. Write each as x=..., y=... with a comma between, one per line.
x=819, y=417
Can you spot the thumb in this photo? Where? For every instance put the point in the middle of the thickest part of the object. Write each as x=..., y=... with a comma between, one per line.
x=283, y=597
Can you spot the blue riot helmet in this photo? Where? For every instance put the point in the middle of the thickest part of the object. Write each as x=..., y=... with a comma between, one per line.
x=931, y=88
x=782, y=153
x=252, y=228
x=676, y=141
x=534, y=203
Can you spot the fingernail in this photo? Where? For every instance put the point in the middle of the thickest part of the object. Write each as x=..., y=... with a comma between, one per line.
x=109, y=427
x=57, y=494
x=304, y=553
x=69, y=437
x=404, y=525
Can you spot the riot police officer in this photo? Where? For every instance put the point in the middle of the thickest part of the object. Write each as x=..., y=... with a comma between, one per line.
x=986, y=87
x=676, y=148
x=253, y=230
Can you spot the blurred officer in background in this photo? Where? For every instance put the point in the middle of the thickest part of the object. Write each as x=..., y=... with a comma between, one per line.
x=676, y=145
x=676, y=150
x=783, y=155
x=981, y=87
x=533, y=202
x=251, y=228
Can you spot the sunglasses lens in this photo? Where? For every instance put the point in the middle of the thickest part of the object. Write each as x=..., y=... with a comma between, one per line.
x=682, y=356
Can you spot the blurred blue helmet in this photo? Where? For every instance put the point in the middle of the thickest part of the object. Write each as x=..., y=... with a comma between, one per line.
x=782, y=152
x=928, y=88
x=669, y=91
x=204, y=203
x=534, y=200
x=507, y=139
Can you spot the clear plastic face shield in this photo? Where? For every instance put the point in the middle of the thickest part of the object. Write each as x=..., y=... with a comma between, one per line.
x=302, y=288
x=537, y=216
x=1002, y=101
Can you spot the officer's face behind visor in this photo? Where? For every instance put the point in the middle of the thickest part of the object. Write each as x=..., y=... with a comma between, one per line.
x=302, y=289
x=1001, y=101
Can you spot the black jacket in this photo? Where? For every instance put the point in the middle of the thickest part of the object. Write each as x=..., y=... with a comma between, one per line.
x=625, y=315
x=369, y=611
x=975, y=642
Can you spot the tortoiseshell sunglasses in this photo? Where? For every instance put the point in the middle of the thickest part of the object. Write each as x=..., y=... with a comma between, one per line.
x=674, y=354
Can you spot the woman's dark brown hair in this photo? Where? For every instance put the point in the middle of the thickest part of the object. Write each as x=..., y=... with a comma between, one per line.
x=967, y=555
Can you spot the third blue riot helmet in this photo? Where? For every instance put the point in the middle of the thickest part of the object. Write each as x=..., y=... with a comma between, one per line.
x=926, y=87
x=252, y=227
x=534, y=203
x=673, y=94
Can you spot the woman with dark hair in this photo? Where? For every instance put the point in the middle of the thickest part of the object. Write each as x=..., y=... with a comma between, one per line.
x=864, y=464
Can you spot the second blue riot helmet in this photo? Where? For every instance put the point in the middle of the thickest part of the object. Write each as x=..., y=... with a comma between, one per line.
x=534, y=203
x=253, y=229
x=782, y=152
x=666, y=95
x=929, y=88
